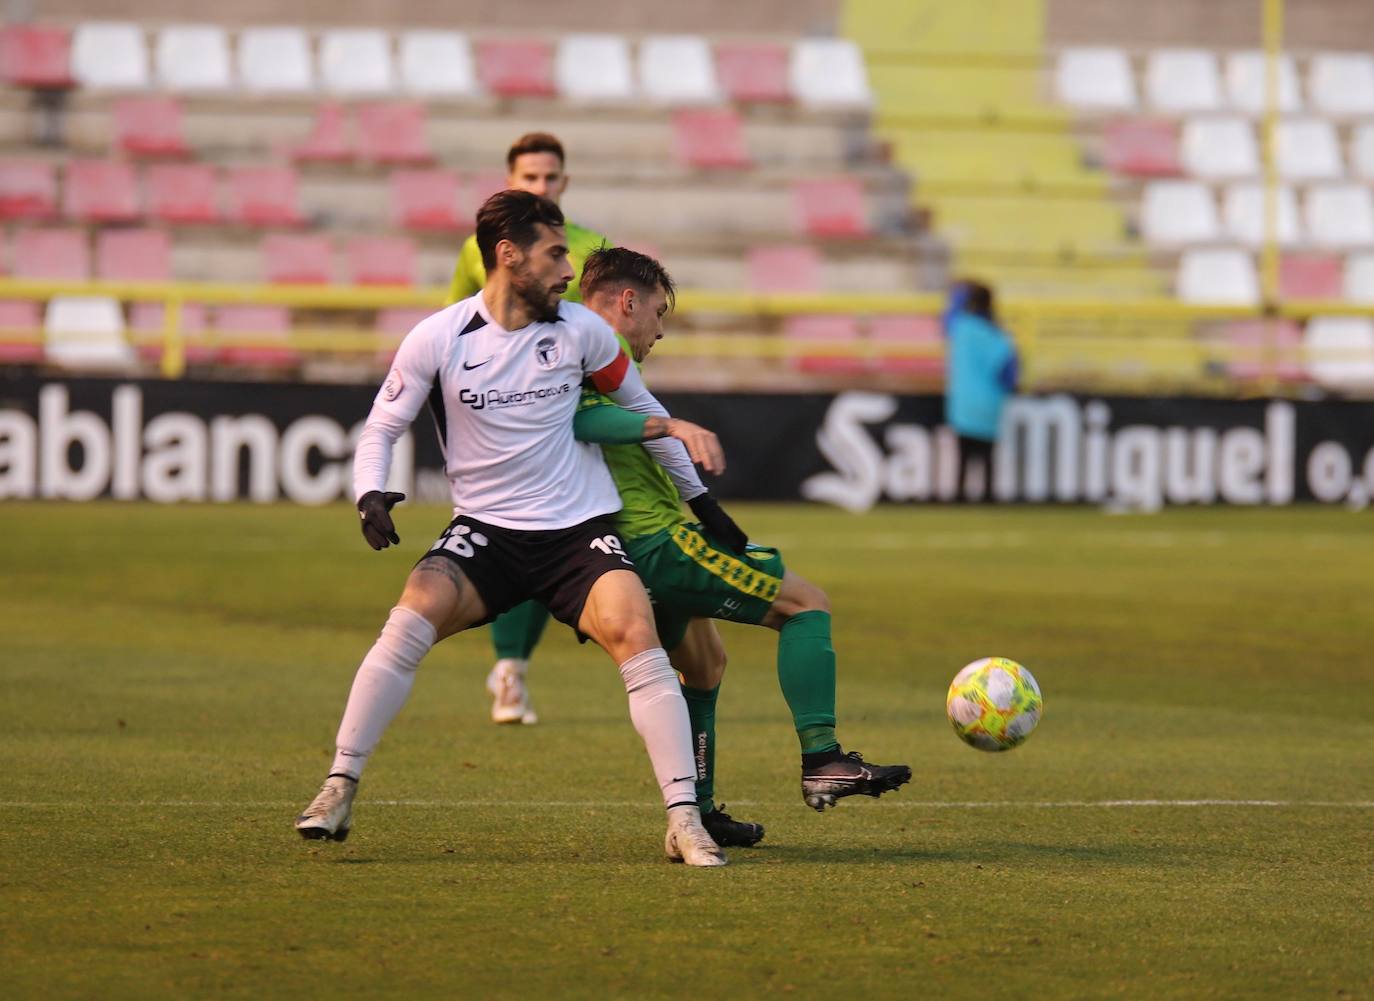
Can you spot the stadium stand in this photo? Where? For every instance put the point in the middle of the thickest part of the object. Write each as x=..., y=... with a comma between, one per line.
x=35, y=56
x=753, y=72
x=425, y=200
x=297, y=259
x=516, y=67
x=28, y=190
x=110, y=56
x=709, y=138
x=149, y=126
x=388, y=260
x=393, y=132
x=262, y=196
x=594, y=67
x=61, y=254
x=275, y=61
x=182, y=193
x=677, y=69
x=192, y=58
x=437, y=64
x=100, y=191
x=356, y=62
x=133, y=255
x=86, y=332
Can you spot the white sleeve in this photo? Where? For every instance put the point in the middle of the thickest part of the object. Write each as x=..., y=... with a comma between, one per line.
x=372, y=457
x=669, y=453
x=397, y=404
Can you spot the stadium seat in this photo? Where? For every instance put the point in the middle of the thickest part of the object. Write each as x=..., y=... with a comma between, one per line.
x=149, y=126
x=330, y=139
x=839, y=333
x=593, y=68
x=1340, y=215
x=275, y=60
x=100, y=191
x=1095, y=79
x=1264, y=349
x=437, y=64
x=34, y=55
x=1362, y=152
x=1179, y=81
x=918, y=332
x=28, y=189
x=297, y=259
x=1139, y=147
x=391, y=325
x=831, y=207
x=21, y=332
x=476, y=189
x=249, y=333
x=133, y=255
x=1217, y=276
x=1306, y=150
x=425, y=200
x=393, y=132
x=1243, y=212
x=384, y=260
x=1245, y=83
x=1341, y=83
x=792, y=267
x=1178, y=212
x=86, y=332
x=709, y=137
x=516, y=68
x=109, y=55
x=828, y=73
x=753, y=72
x=356, y=61
x=193, y=57
x=262, y=196
x=149, y=319
x=1218, y=148
x=1310, y=276
x=1358, y=281
x=182, y=193
x=1340, y=352
x=677, y=69
x=56, y=254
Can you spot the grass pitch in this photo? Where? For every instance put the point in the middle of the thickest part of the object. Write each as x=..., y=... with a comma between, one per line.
x=1194, y=817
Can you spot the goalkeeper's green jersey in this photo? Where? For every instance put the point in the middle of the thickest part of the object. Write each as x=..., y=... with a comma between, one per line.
x=470, y=276
x=651, y=501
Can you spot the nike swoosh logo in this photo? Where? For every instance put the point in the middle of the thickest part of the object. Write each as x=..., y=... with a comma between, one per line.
x=469, y=368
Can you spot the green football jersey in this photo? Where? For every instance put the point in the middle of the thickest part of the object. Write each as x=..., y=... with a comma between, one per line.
x=470, y=276
x=651, y=501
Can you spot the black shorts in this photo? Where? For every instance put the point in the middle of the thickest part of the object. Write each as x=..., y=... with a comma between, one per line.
x=556, y=567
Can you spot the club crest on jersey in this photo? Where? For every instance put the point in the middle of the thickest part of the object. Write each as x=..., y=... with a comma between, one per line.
x=395, y=383
x=546, y=352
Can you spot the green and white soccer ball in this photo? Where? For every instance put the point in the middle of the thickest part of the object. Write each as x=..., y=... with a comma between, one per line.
x=994, y=704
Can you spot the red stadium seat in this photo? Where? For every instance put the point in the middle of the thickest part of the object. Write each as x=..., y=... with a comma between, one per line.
x=831, y=207
x=57, y=254
x=297, y=259
x=516, y=68
x=709, y=137
x=34, y=56
x=425, y=199
x=330, y=139
x=149, y=126
x=21, y=332
x=385, y=260
x=477, y=189
x=393, y=132
x=182, y=193
x=837, y=332
x=1311, y=276
x=100, y=191
x=263, y=196
x=921, y=334
x=393, y=323
x=133, y=255
x=261, y=326
x=784, y=268
x=1265, y=349
x=147, y=319
x=28, y=190
x=1139, y=147
x=753, y=71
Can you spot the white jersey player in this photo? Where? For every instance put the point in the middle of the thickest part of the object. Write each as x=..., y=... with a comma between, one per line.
x=502, y=373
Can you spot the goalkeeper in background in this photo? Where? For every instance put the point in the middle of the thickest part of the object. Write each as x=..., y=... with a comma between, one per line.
x=535, y=163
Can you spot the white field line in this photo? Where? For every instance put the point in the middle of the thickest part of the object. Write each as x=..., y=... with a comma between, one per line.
x=443, y=804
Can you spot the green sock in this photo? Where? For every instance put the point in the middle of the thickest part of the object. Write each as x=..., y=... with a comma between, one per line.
x=701, y=708
x=806, y=672
x=516, y=633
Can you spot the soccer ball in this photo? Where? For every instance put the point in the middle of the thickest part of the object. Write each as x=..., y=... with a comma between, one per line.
x=993, y=704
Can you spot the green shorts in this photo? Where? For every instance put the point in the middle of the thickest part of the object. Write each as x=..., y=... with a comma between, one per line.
x=689, y=575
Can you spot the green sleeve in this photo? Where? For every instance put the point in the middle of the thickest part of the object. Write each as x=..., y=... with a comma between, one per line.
x=469, y=276
x=603, y=425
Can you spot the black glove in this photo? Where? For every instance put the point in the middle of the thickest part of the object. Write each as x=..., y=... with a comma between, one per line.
x=374, y=507
x=714, y=519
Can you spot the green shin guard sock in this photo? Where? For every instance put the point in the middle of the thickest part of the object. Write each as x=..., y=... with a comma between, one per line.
x=516, y=633
x=806, y=672
x=701, y=709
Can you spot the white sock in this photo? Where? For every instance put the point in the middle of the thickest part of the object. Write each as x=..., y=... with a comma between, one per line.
x=380, y=688
x=659, y=713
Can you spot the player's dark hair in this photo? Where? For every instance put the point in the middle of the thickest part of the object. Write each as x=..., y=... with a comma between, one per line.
x=978, y=299
x=534, y=142
x=613, y=268
x=512, y=215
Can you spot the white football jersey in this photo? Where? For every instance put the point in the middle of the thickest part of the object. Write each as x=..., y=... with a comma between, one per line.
x=503, y=404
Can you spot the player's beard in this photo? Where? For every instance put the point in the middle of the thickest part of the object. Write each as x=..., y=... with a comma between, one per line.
x=541, y=299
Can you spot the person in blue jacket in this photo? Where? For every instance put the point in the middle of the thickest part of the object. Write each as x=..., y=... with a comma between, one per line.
x=982, y=370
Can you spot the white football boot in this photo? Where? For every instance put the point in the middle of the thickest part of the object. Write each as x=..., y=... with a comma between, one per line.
x=687, y=840
x=510, y=698
x=330, y=814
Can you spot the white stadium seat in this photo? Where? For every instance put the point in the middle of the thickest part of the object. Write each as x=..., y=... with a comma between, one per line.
x=1095, y=78
x=1306, y=150
x=1183, y=80
x=1175, y=212
x=678, y=69
x=828, y=73
x=1358, y=283
x=109, y=55
x=1362, y=151
x=1243, y=212
x=356, y=61
x=275, y=60
x=1219, y=148
x=86, y=332
x=1217, y=276
x=1340, y=351
x=593, y=68
x=1341, y=83
x=1245, y=82
x=1340, y=215
x=437, y=64
x=193, y=57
